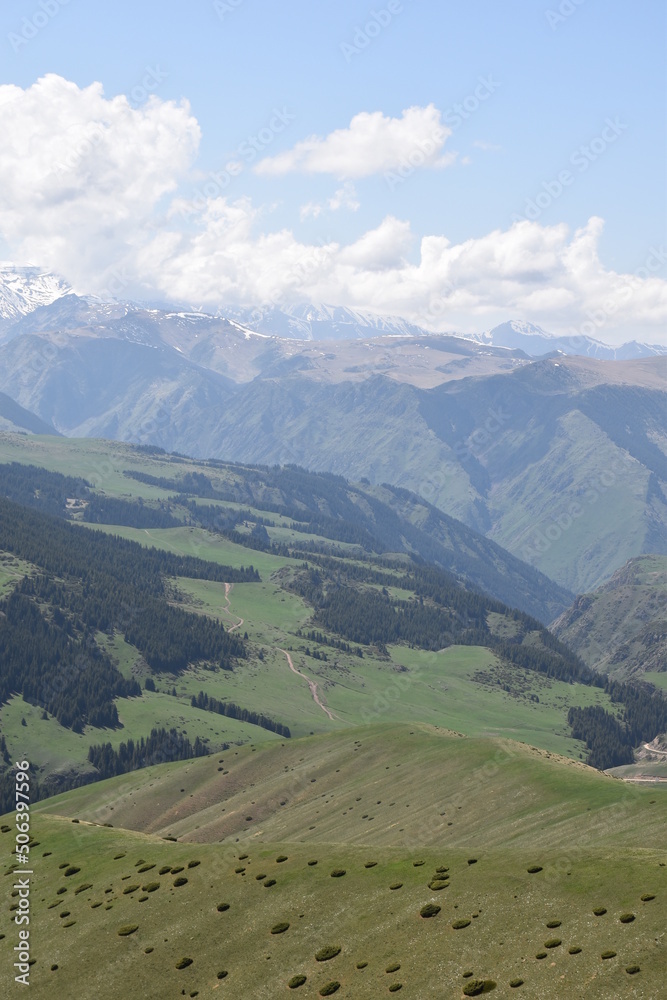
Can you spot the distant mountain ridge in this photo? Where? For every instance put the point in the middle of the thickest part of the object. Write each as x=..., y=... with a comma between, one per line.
x=23, y=288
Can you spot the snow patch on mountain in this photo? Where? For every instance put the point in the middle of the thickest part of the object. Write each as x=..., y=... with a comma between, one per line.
x=24, y=288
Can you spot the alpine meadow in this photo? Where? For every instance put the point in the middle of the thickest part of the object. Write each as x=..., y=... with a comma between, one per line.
x=333, y=500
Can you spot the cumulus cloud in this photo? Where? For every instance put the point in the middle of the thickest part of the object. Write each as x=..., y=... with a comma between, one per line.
x=81, y=175
x=373, y=143
x=91, y=187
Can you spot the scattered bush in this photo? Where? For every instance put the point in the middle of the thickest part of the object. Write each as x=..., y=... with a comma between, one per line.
x=129, y=889
x=478, y=986
x=72, y=870
x=393, y=968
x=150, y=887
x=180, y=881
x=647, y=897
x=552, y=943
x=437, y=884
x=164, y=870
x=128, y=929
x=65, y=913
x=460, y=924
x=142, y=899
x=145, y=868
x=574, y=950
x=370, y=864
x=324, y=954
x=94, y=906
x=516, y=982
x=258, y=878
x=222, y=907
x=534, y=869
x=441, y=870
x=183, y=963
x=237, y=871
x=148, y=950
x=608, y=954
x=193, y=864
x=626, y=918
x=69, y=923
x=417, y=864
x=223, y=974
x=395, y=987
x=472, y=861
x=329, y=989
x=632, y=970
x=396, y=885
x=541, y=954
x=281, y=928
x=430, y=910
x=279, y=860
x=599, y=911
x=311, y=863
x=296, y=981
x=175, y=871
x=553, y=923
x=117, y=857
x=362, y=965
x=269, y=882
x=338, y=873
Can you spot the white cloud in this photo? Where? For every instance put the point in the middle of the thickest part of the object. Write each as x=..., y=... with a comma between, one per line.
x=90, y=187
x=81, y=175
x=373, y=143
x=344, y=197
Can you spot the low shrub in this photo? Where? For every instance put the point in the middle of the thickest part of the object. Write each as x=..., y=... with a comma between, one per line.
x=574, y=950
x=516, y=982
x=338, y=873
x=472, y=861
x=180, y=881
x=460, y=924
x=552, y=943
x=193, y=864
x=329, y=989
x=83, y=887
x=441, y=870
x=164, y=870
x=417, y=864
x=324, y=954
x=311, y=864
x=280, y=928
x=430, y=910
x=258, y=878
x=396, y=885
x=147, y=951
x=599, y=911
x=370, y=864
x=69, y=923
x=541, y=954
x=632, y=970
x=223, y=974
x=362, y=965
x=626, y=918
x=553, y=923
x=647, y=897
x=395, y=987
x=281, y=858
x=72, y=870
x=94, y=906
x=437, y=884
x=65, y=913
x=150, y=887
x=183, y=963
x=130, y=888
x=393, y=968
x=243, y=857
x=269, y=882
x=177, y=869
x=534, y=869
x=478, y=986
x=222, y=907
x=237, y=871
x=608, y=954
x=145, y=868
x=297, y=981
x=127, y=929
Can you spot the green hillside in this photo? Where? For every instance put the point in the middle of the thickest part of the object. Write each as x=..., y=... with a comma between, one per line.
x=529, y=883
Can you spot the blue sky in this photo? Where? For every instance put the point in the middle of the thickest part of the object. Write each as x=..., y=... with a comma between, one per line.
x=567, y=88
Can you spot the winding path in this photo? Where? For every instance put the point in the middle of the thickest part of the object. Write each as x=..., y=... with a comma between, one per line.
x=228, y=589
x=663, y=753
x=311, y=684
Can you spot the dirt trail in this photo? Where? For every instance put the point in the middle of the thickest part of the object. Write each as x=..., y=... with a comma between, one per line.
x=663, y=753
x=311, y=684
x=228, y=589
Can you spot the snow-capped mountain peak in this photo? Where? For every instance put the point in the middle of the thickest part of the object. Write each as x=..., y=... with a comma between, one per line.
x=24, y=288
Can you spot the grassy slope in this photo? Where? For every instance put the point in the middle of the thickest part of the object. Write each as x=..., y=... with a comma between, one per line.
x=619, y=628
x=517, y=808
